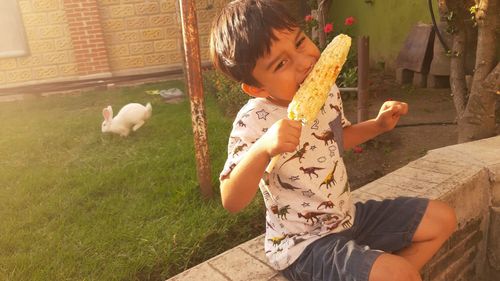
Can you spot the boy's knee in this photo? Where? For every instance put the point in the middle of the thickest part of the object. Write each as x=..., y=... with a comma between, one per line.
x=446, y=216
x=389, y=267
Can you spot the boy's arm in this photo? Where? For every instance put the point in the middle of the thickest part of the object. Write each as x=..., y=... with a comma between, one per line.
x=388, y=117
x=239, y=187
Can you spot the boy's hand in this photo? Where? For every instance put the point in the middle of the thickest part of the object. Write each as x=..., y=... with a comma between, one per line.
x=283, y=136
x=389, y=114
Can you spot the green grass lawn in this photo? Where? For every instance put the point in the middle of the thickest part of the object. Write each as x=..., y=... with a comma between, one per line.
x=76, y=204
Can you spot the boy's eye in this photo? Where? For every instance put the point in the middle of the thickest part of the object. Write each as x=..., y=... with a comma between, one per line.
x=280, y=65
x=300, y=42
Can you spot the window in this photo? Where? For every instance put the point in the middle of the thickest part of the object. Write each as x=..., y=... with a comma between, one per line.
x=12, y=35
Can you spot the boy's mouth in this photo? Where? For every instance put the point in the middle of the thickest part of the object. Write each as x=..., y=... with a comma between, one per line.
x=305, y=76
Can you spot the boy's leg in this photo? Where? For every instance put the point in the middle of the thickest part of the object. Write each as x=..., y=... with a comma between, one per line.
x=412, y=228
x=388, y=267
x=437, y=225
x=419, y=225
x=335, y=258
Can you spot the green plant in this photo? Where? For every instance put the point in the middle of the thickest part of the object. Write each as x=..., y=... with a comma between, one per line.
x=348, y=75
x=227, y=92
x=473, y=12
x=310, y=25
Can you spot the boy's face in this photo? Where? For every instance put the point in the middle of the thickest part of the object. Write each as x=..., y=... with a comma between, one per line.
x=284, y=68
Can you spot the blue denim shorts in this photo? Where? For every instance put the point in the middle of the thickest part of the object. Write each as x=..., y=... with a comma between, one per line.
x=379, y=226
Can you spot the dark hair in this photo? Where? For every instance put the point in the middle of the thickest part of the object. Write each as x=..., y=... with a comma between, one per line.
x=243, y=32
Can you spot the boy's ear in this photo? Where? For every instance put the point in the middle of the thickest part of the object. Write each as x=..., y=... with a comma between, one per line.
x=254, y=91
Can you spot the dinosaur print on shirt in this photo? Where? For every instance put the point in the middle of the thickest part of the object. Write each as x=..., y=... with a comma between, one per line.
x=306, y=194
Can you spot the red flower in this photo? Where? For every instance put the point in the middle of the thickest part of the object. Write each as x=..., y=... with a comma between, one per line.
x=357, y=149
x=308, y=18
x=328, y=28
x=350, y=21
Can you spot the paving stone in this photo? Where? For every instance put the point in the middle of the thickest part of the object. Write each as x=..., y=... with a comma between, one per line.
x=359, y=195
x=383, y=191
x=363, y=194
x=278, y=277
x=405, y=183
x=232, y=263
x=418, y=174
x=437, y=165
x=485, y=155
x=483, y=151
x=200, y=272
x=254, y=247
x=395, y=186
x=455, y=157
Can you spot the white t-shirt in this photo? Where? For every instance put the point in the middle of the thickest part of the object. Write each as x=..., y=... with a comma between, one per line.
x=307, y=194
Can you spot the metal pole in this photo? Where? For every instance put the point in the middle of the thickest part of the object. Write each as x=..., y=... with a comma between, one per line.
x=363, y=66
x=195, y=90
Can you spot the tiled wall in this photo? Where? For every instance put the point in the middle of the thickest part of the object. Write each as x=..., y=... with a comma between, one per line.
x=51, y=50
x=137, y=36
x=141, y=34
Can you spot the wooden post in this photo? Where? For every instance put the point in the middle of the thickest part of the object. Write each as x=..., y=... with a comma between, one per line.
x=195, y=90
x=363, y=68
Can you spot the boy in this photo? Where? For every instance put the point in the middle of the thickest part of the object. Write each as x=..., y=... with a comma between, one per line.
x=313, y=229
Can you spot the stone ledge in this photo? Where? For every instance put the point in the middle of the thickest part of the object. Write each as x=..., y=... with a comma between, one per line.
x=462, y=175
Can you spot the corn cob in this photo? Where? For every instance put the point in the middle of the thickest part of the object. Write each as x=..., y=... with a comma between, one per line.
x=314, y=90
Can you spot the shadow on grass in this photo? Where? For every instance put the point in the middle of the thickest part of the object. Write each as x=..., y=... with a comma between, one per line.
x=212, y=242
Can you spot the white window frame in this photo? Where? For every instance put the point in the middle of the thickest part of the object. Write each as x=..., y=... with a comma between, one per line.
x=13, y=42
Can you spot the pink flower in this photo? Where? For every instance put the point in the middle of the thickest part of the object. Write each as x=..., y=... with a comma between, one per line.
x=357, y=149
x=308, y=18
x=328, y=28
x=350, y=21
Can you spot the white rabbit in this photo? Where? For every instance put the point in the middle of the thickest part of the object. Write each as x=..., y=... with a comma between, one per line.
x=131, y=116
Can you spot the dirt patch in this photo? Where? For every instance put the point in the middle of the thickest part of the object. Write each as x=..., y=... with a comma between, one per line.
x=428, y=125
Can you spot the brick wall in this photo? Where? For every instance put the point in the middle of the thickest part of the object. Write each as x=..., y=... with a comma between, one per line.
x=51, y=51
x=462, y=176
x=72, y=39
x=147, y=34
x=78, y=39
x=89, y=48
x=463, y=256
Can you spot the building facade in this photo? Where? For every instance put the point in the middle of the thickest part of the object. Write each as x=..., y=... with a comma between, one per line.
x=67, y=40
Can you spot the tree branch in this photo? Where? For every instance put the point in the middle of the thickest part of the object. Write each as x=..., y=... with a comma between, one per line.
x=457, y=72
x=493, y=80
x=478, y=120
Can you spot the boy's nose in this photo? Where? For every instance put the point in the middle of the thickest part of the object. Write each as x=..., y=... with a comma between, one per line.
x=305, y=65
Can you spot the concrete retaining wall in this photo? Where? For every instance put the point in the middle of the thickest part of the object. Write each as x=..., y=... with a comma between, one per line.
x=466, y=176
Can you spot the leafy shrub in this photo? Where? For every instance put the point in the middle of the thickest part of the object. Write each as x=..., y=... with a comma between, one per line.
x=348, y=77
x=228, y=93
